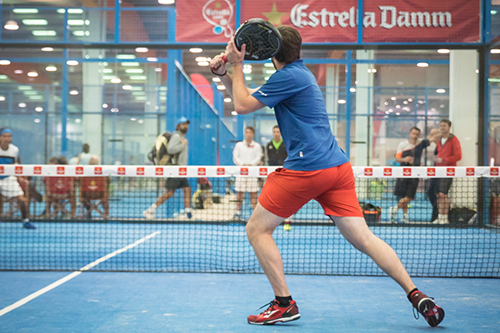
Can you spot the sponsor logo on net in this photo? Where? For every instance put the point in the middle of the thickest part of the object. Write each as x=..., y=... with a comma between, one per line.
x=79, y=170
x=121, y=171
x=368, y=172
x=159, y=171
x=450, y=172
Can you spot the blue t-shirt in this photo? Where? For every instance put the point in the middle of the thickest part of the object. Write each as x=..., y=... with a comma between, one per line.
x=302, y=118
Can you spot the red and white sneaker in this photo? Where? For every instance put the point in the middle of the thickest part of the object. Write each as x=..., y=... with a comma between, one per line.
x=275, y=314
x=426, y=306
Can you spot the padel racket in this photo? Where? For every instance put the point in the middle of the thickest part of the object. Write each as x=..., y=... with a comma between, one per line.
x=261, y=38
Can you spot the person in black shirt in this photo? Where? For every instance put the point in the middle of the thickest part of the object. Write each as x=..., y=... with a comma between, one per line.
x=275, y=149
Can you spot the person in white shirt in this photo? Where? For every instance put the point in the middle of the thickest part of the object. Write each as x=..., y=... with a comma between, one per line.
x=9, y=185
x=85, y=156
x=246, y=153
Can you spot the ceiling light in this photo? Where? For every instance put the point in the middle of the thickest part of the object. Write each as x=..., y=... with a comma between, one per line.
x=200, y=59
x=221, y=87
x=405, y=102
x=266, y=78
x=2, y=98
x=116, y=80
x=38, y=109
x=443, y=51
x=374, y=70
x=248, y=78
x=234, y=113
x=105, y=106
x=44, y=33
x=398, y=106
x=442, y=106
x=247, y=70
x=397, y=113
x=138, y=77
x=393, y=98
x=421, y=102
x=127, y=87
x=227, y=100
x=73, y=92
x=70, y=11
x=492, y=50
x=4, y=62
x=140, y=121
x=268, y=64
x=3, y=77
x=107, y=71
x=216, y=79
x=352, y=90
x=125, y=56
x=114, y=110
x=130, y=64
x=24, y=87
x=134, y=71
x=72, y=62
x=386, y=103
x=410, y=99
x=32, y=74
x=47, y=49
x=270, y=71
x=34, y=22
x=78, y=121
x=133, y=119
x=25, y=11
x=141, y=49
x=195, y=50
x=422, y=64
x=81, y=33
x=76, y=22
x=152, y=59
x=158, y=69
x=203, y=63
x=440, y=91
x=35, y=97
x=341, y=101
x=51, y=68
x=387, y=112
x=37, y=120
x=22, y=105
x=11, y=25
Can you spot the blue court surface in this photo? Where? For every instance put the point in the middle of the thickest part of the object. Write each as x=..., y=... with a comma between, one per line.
x=184, y=302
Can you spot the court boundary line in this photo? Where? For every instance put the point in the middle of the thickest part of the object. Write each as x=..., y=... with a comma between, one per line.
x=71, y=276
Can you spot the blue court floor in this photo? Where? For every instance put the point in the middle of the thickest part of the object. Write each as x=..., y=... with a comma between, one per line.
x=181, y=302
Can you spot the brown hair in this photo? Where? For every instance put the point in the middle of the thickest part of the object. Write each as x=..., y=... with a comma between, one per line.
x=250, y=128
x=86, y=148
x=290, y=46
x=415, y=128
x=447, y=121
x=276, y=126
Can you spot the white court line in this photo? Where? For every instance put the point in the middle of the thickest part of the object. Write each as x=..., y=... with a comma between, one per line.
x=74, y=274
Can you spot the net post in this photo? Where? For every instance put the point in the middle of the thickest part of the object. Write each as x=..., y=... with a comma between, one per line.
x=480, y=202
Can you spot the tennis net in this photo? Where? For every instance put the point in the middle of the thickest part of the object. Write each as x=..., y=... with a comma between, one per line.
x=83, y=213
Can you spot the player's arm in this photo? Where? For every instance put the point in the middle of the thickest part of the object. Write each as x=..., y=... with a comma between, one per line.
x=227, y=81
x=175, y=145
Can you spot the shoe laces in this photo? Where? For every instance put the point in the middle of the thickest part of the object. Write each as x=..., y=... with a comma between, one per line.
x=416, y=313
x=269, y=306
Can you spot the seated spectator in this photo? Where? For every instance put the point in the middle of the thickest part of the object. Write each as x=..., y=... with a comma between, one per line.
x=59, y=191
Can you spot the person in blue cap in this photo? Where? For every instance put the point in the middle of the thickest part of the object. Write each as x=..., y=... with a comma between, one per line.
x=9, y=185
x=178, y=149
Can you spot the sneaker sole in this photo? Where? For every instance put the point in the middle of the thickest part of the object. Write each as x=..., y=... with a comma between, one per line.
x=431, y=319
x=274, y=321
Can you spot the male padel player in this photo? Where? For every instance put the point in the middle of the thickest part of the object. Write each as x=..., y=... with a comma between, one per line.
x=316, y=168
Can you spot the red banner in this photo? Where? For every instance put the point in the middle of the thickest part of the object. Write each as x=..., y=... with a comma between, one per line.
x=336, y=21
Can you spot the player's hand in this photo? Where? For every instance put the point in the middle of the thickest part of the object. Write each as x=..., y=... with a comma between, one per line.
x=232, y=54
x=185, y=141
x=438, y=160
x=218, y=65
x=409, y=159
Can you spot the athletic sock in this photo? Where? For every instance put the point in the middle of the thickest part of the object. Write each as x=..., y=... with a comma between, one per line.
x=152, y=208
x=284, y=301
x=411, y=292
x=188, y=210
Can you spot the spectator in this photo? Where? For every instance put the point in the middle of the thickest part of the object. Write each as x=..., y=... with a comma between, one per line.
x=9, y=185
x=178, y=148
x=62, y=160
x=409, y=153
x=84, y=157
x=275, y=150
x=58, y=190
x=448, y=152
x=246, y=153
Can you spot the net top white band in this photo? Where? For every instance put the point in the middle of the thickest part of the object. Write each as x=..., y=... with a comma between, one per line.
x=229, y=171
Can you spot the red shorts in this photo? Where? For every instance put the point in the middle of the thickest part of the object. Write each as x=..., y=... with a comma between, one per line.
x=286, y=191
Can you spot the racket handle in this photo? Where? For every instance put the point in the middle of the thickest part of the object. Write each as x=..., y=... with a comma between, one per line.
x=223, y=59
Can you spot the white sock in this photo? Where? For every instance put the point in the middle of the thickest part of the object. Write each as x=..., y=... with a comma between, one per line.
x=442, y=217
x=26, y=220
x=152, y=208
x=188, y=210
x=406, y=216
x=395, y=208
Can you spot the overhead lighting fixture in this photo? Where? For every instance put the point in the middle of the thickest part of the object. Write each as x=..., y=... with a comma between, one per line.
x=405, y=102
x=11, y=25
x=30, y=92
x=410, y=99
x=227, y=100
x=34, y=22
x=134, y=71
x=37, y=120
x=125, y=56
x=269, y=64
x=72, y=62
x=341, y=101
x=133, y=119
x=70, y=11
x=105, y=106
x=152, y=59
x=266, y=78
x=494, y=51
x=216, y=79
x=4, y=62
x=195, y=50
x=138, y=77
x=141, y=49
x=2, y=98
x=73, y=92
x=76, y=22
x=440, y=91
x=200, y=59
x=22, y=105
x=127, y=87
x=374, y=70
x=116, y=80
x=353, y=90
x=47, y=49
x=234, y=113
x=158, y=69
x=393, y=98
x=493, y=12
x=24, y=87
x=78, y=121
x=130, y=64
x=3, y=77
x=32, y=74
x=51, y=68
x=38, y=109
x=166, y=2
x=443, y=51
x=81, y=33
x=398, y=106
x=248, y=78
x=44, y=33
x=108, y=77
x=386, y=103
x=221, y=87
x=25, y=10
x=422, y=64
x=35, y=97
x=107, y=71
x=203, y=63
x=18, y=71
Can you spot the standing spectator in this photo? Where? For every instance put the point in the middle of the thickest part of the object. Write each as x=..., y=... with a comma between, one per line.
x=275, y=150
x=9, y=185
x=246, y=153
x=178, y=148
x=84, y=157
x=409, y=153
x=448, y=152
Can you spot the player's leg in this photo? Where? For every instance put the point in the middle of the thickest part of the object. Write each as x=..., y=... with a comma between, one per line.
x=253, y=199
x=11, y=189
x=187, y=198
x=240, y=195
x=432, y=195
x=172, y=185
